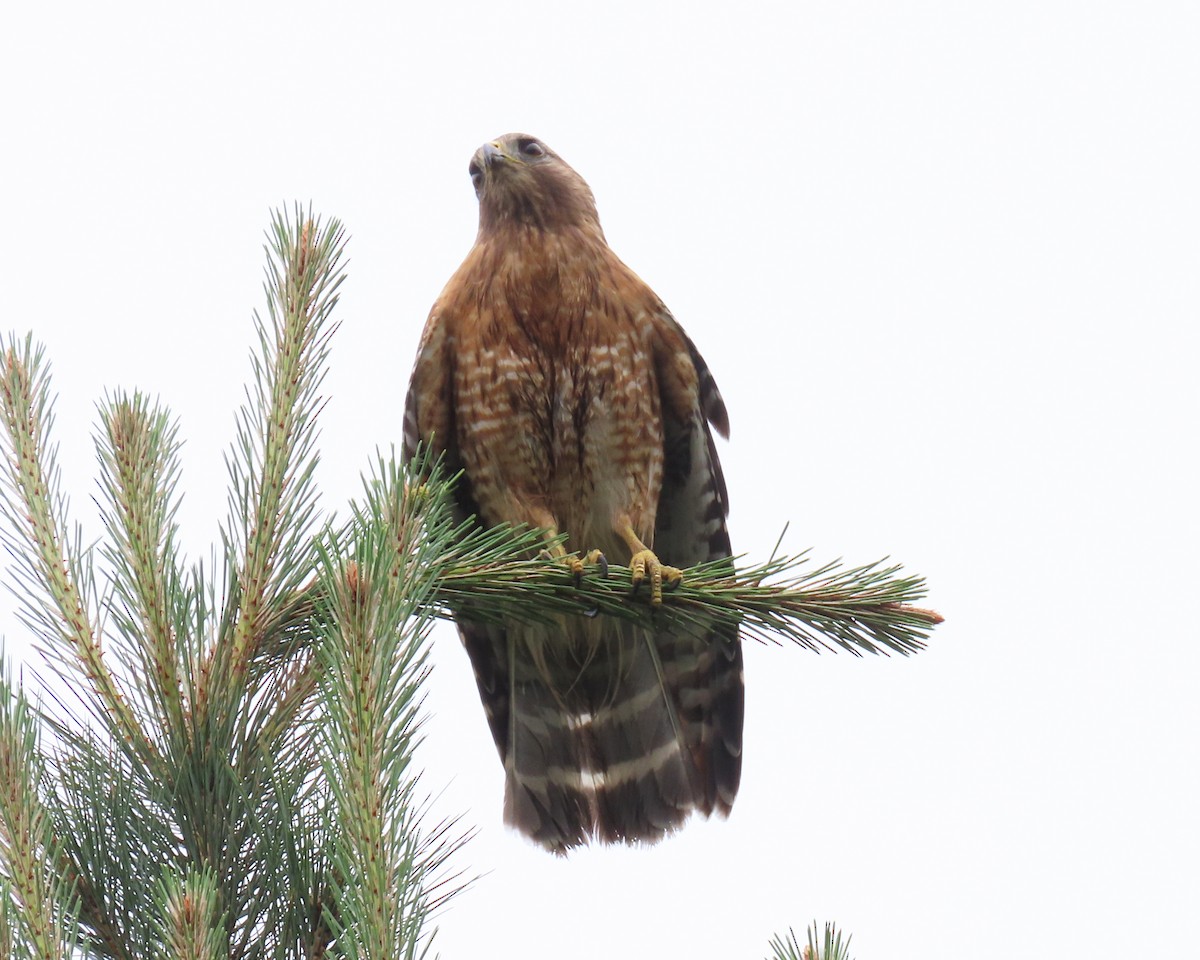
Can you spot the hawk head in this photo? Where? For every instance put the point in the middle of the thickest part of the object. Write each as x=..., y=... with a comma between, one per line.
x=521, y=181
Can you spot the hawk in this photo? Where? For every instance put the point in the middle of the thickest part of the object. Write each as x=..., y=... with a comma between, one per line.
x=552, y=376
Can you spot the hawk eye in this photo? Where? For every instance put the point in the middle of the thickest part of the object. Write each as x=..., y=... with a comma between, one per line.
x=530, y=148
x=476, y=176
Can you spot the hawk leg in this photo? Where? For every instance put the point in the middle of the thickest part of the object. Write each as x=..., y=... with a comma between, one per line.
x=644, y=565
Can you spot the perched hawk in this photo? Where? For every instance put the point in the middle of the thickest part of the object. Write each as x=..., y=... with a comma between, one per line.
x=563, y=388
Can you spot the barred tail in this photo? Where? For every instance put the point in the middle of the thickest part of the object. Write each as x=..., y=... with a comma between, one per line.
x=618, y=736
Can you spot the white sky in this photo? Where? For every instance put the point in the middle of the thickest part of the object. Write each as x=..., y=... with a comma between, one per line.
x=943, y=261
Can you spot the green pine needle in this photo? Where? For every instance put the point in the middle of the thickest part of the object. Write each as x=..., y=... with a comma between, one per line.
x=831, y=947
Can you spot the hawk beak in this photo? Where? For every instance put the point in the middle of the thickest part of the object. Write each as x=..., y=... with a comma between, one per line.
x=495, y=152
x=492, y=153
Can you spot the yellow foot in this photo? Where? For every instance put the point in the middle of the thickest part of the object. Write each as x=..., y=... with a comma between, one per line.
x=578, y=565
x=646, y=566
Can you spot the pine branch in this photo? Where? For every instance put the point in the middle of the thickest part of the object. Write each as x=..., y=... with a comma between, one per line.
x=498, y=574
x=830, y=948
x=8, y=918
x=189, y=918
x=272, y=497
x=376, y=615
x=45, y=902
x=138, y=455
x=114, y=841
x=197, y=819
x=859, y=609
x=55, y=576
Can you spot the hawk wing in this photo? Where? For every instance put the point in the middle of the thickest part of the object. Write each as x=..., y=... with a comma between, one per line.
x=702, y=668
x=430, y=419
x=430, y=412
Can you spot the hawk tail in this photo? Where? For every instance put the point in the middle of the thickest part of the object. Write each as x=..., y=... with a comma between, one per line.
x=623, y=754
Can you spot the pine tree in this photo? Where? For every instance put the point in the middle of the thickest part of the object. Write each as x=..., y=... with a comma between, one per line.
x=232, y=775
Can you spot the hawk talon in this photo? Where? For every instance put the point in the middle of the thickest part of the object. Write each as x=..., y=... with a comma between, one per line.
x=593, y=558
x=645, y=564
x=576, y=566
x=598, y=559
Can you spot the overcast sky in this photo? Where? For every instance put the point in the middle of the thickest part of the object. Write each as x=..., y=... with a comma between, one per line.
x=942, y=259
